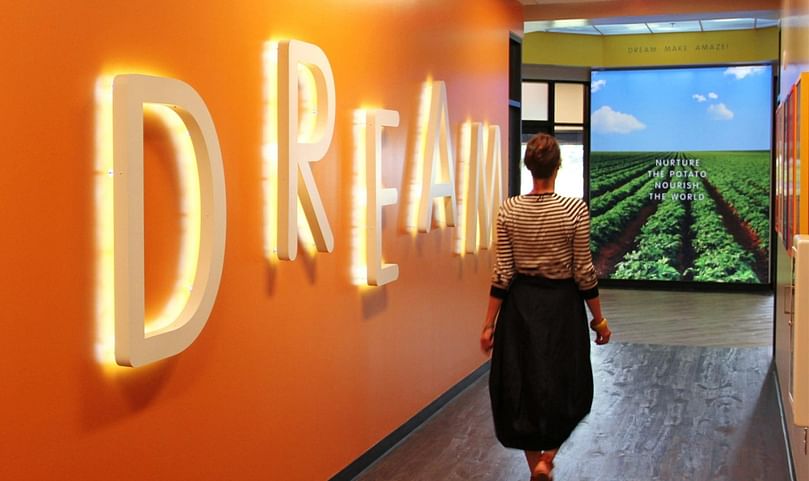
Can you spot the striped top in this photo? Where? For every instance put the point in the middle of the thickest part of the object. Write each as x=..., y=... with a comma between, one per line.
x=544, y=235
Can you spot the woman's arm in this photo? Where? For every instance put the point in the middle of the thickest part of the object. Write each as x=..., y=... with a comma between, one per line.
x=487, y=335
x=501, y=279
x=599, y=322
x=584, y=272
x=595, y=307
x=586, y=277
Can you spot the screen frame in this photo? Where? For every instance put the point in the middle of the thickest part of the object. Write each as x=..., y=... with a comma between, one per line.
x=697, y=285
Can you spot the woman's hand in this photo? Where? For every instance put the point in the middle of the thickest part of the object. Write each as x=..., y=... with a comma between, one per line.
x=487, y=339
x=603, y=336
x=602, y=331
x=487, y=336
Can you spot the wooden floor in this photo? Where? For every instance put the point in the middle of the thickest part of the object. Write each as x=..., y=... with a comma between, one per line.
x=675, y=400
x=732, y=319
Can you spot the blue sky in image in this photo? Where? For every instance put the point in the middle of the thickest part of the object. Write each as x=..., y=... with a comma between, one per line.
x=724, y=108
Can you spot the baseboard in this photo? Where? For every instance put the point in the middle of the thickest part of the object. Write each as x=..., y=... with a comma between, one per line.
x=784, y=427
x=391, y=440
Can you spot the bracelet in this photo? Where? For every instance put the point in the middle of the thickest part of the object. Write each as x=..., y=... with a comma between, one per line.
x=488, y=326
x=597, y=325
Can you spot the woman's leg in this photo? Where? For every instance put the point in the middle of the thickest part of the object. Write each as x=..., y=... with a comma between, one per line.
x=533, y=458
x=540, y=463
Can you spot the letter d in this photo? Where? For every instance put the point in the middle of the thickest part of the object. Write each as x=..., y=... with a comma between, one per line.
x=134, y=345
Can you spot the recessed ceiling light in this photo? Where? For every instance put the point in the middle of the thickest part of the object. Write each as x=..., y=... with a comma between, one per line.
x=623, y=29
x=728, y=24
x=669, y=27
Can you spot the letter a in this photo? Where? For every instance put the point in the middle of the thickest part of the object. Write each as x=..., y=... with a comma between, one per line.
x=134, y=346
x=295, y=153
x=436, y=152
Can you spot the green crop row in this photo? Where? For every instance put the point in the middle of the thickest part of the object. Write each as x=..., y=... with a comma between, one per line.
x=659, y=245
x=608, y=226
x=604, y=202
x=604, y=182
x=743, y=181
x=717, y=256
x=611, y=169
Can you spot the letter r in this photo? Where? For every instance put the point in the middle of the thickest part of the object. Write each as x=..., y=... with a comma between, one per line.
x=298, y=146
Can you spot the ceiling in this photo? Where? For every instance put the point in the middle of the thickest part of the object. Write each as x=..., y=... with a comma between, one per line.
x=640, y=26
x=626, y=17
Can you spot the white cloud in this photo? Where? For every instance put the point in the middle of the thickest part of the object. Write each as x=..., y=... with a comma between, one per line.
x=742, y=72
x=699, y=98
x=713, y=95
x=597, y=85
x=608, y=121
x=720, y=112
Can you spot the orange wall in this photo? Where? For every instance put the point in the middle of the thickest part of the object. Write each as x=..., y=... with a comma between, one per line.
x=298, y=372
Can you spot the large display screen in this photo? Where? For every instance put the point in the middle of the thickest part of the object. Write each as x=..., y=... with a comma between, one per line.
x=680, y=174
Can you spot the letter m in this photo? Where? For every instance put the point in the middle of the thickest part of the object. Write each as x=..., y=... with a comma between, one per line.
x=483, y=190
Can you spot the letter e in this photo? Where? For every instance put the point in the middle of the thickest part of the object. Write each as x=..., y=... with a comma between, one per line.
x=378, y=274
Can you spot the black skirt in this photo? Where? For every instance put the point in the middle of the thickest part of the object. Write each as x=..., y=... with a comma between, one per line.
x=541, y=380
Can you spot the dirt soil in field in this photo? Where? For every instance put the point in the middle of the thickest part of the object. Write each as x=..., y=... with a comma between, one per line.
x=612, y=253
x=741, y=232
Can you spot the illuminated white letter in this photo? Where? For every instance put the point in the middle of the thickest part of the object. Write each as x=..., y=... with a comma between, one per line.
x=494, y=184
x=482, y=189
x=134, y=344
x=378, y=274
x=474, y=210
x=298, y=145
x=438, y=175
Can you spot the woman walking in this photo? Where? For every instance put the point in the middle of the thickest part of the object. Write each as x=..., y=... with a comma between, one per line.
x=541, y=381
